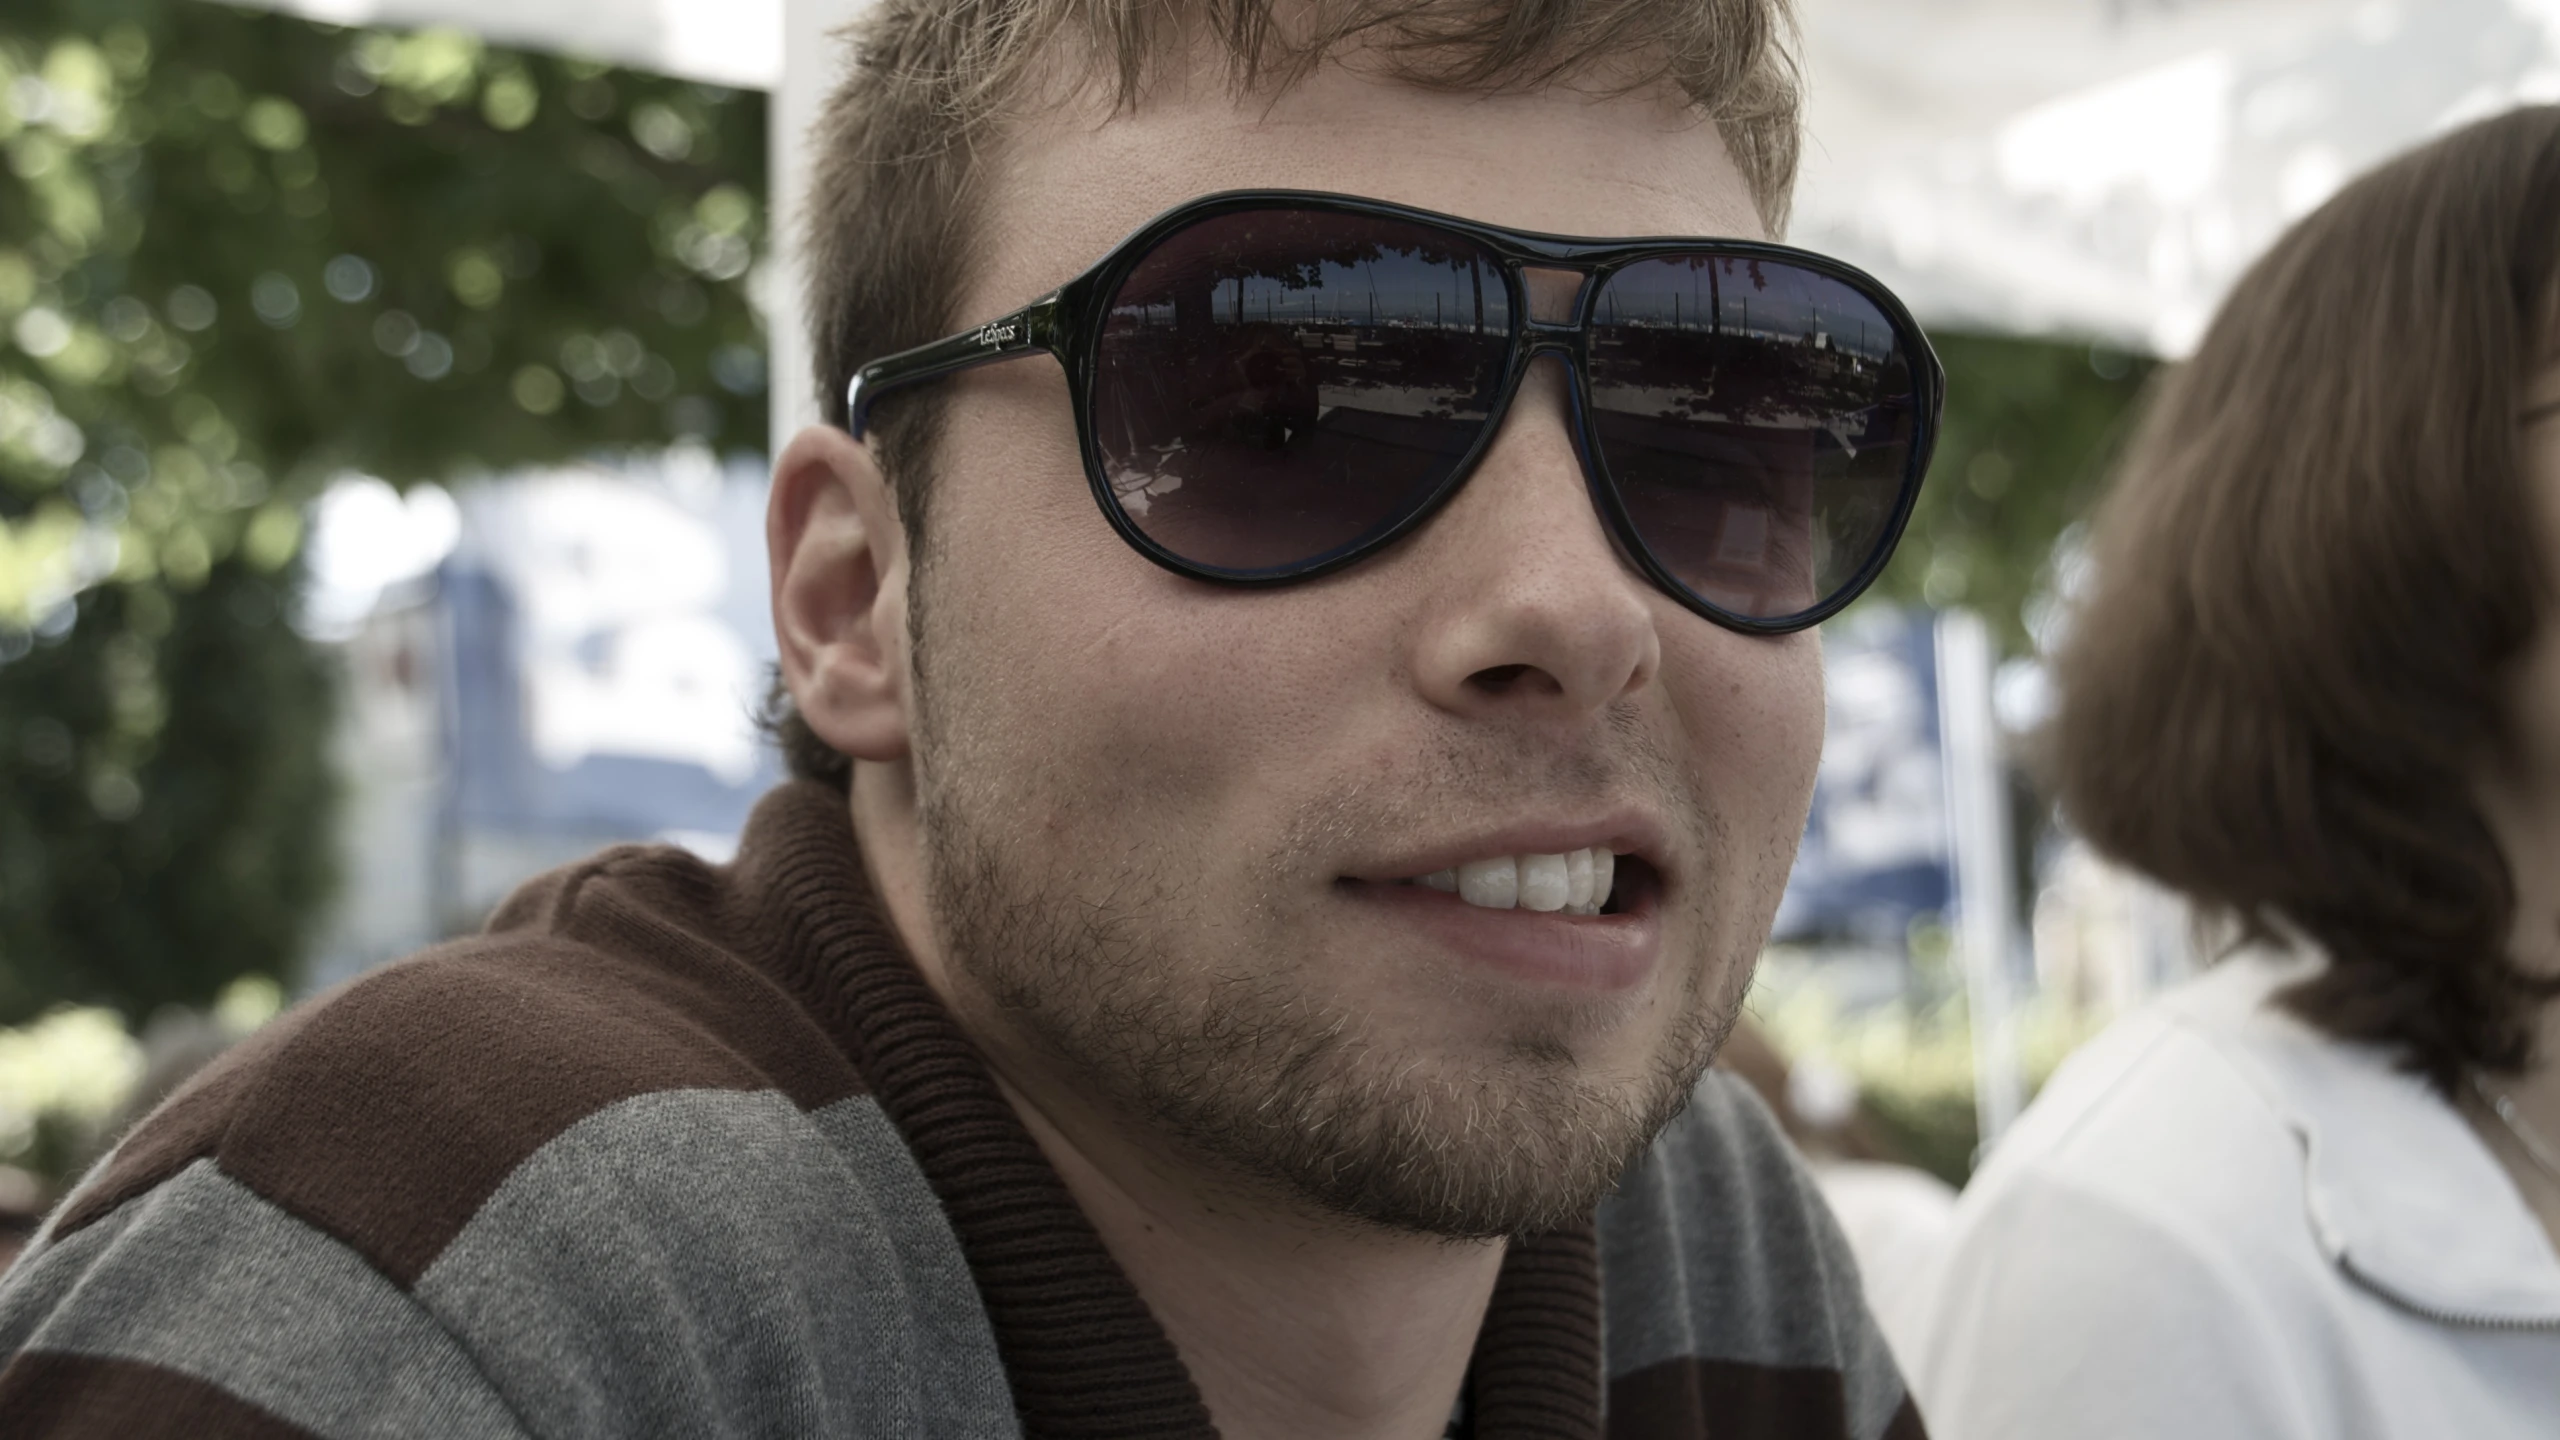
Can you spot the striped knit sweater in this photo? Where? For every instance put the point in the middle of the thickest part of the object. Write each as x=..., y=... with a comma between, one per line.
x=678, y=1150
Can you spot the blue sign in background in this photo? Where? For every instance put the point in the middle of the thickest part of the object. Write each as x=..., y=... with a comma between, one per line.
x=1876, y=852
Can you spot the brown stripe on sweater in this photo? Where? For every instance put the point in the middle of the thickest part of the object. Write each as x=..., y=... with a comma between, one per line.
x=387, y=1113
x=1694, y=1399
x=1905, y=1424
x=46, y=1395
x=183, y=1128
x=1536, y=1371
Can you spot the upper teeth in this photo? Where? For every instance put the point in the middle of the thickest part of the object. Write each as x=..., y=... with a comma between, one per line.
x=1576, y=882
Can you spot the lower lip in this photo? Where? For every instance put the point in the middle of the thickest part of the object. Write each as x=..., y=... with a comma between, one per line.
x=1592, y=954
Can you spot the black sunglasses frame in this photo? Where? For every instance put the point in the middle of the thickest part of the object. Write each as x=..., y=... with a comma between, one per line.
x=1069, y=321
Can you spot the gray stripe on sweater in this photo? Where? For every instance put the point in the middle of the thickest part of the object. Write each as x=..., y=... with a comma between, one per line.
x=698, y=1262
x=203, y=1277
x=1718, y=1237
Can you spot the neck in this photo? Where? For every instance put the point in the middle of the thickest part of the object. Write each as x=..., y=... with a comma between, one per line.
x=2526, y=821
x=2533, y=1107
x=2525, y=817
x=2535, y=1096
x=1290, y=1325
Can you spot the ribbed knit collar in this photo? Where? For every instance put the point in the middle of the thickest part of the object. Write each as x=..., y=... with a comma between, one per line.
x=1085, y=1355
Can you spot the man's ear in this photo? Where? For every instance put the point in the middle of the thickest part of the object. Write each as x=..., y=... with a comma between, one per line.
x=839, y=559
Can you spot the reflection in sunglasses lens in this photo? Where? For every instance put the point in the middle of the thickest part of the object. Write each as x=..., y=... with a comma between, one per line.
x=1276, y=386
x=1757, y=419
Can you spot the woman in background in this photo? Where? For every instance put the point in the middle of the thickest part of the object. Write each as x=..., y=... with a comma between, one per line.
x=2315, y=686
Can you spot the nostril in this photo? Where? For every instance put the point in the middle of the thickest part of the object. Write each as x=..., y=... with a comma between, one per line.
x=1501, y=679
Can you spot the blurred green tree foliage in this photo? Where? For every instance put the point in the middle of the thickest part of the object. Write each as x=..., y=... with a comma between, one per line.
x=2031, y=426
x=241, y=253
x=195, y=850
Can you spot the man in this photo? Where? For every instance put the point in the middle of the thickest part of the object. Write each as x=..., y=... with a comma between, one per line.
x=1280, y=837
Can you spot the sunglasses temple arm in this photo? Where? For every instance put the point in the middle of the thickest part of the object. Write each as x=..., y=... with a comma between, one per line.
x=1036, y=328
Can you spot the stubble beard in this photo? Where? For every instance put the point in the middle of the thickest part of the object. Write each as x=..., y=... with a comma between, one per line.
x=1237, y=1062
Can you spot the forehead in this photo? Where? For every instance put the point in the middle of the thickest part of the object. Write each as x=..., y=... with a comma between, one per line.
x=1072, y=182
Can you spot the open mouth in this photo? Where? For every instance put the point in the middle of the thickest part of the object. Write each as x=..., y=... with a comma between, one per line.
x=1589, y=881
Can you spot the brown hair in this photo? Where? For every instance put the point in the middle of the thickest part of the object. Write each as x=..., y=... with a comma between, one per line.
x=2309, y=585
x=932, y=83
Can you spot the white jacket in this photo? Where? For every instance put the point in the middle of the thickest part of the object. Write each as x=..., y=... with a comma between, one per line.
x=2217, y=1222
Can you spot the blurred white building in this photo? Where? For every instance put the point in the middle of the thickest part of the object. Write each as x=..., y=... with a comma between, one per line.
x=556, y=663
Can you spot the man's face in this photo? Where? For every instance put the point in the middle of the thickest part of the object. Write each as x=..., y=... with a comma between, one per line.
x=1166, y=821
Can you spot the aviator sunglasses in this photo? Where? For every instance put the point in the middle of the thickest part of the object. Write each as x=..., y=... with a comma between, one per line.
x=1269, y=385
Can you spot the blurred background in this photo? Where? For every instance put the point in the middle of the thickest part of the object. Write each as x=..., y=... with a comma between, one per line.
x=385, y=393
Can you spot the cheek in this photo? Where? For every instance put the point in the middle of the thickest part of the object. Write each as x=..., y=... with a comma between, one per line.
x=2534, y=709
x=1752, y=710
x=1751, y=714
x=1064, y=664
x=2533, y=702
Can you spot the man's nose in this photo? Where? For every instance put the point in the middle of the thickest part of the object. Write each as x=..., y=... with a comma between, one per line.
x=1531, y=607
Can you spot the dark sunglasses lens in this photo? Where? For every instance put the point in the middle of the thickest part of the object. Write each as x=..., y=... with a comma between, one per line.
x=1274, y=387
x=1759, y=420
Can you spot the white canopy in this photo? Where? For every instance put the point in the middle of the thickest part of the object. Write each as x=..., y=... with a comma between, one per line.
x=2084, y=167
x=2108, y=167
